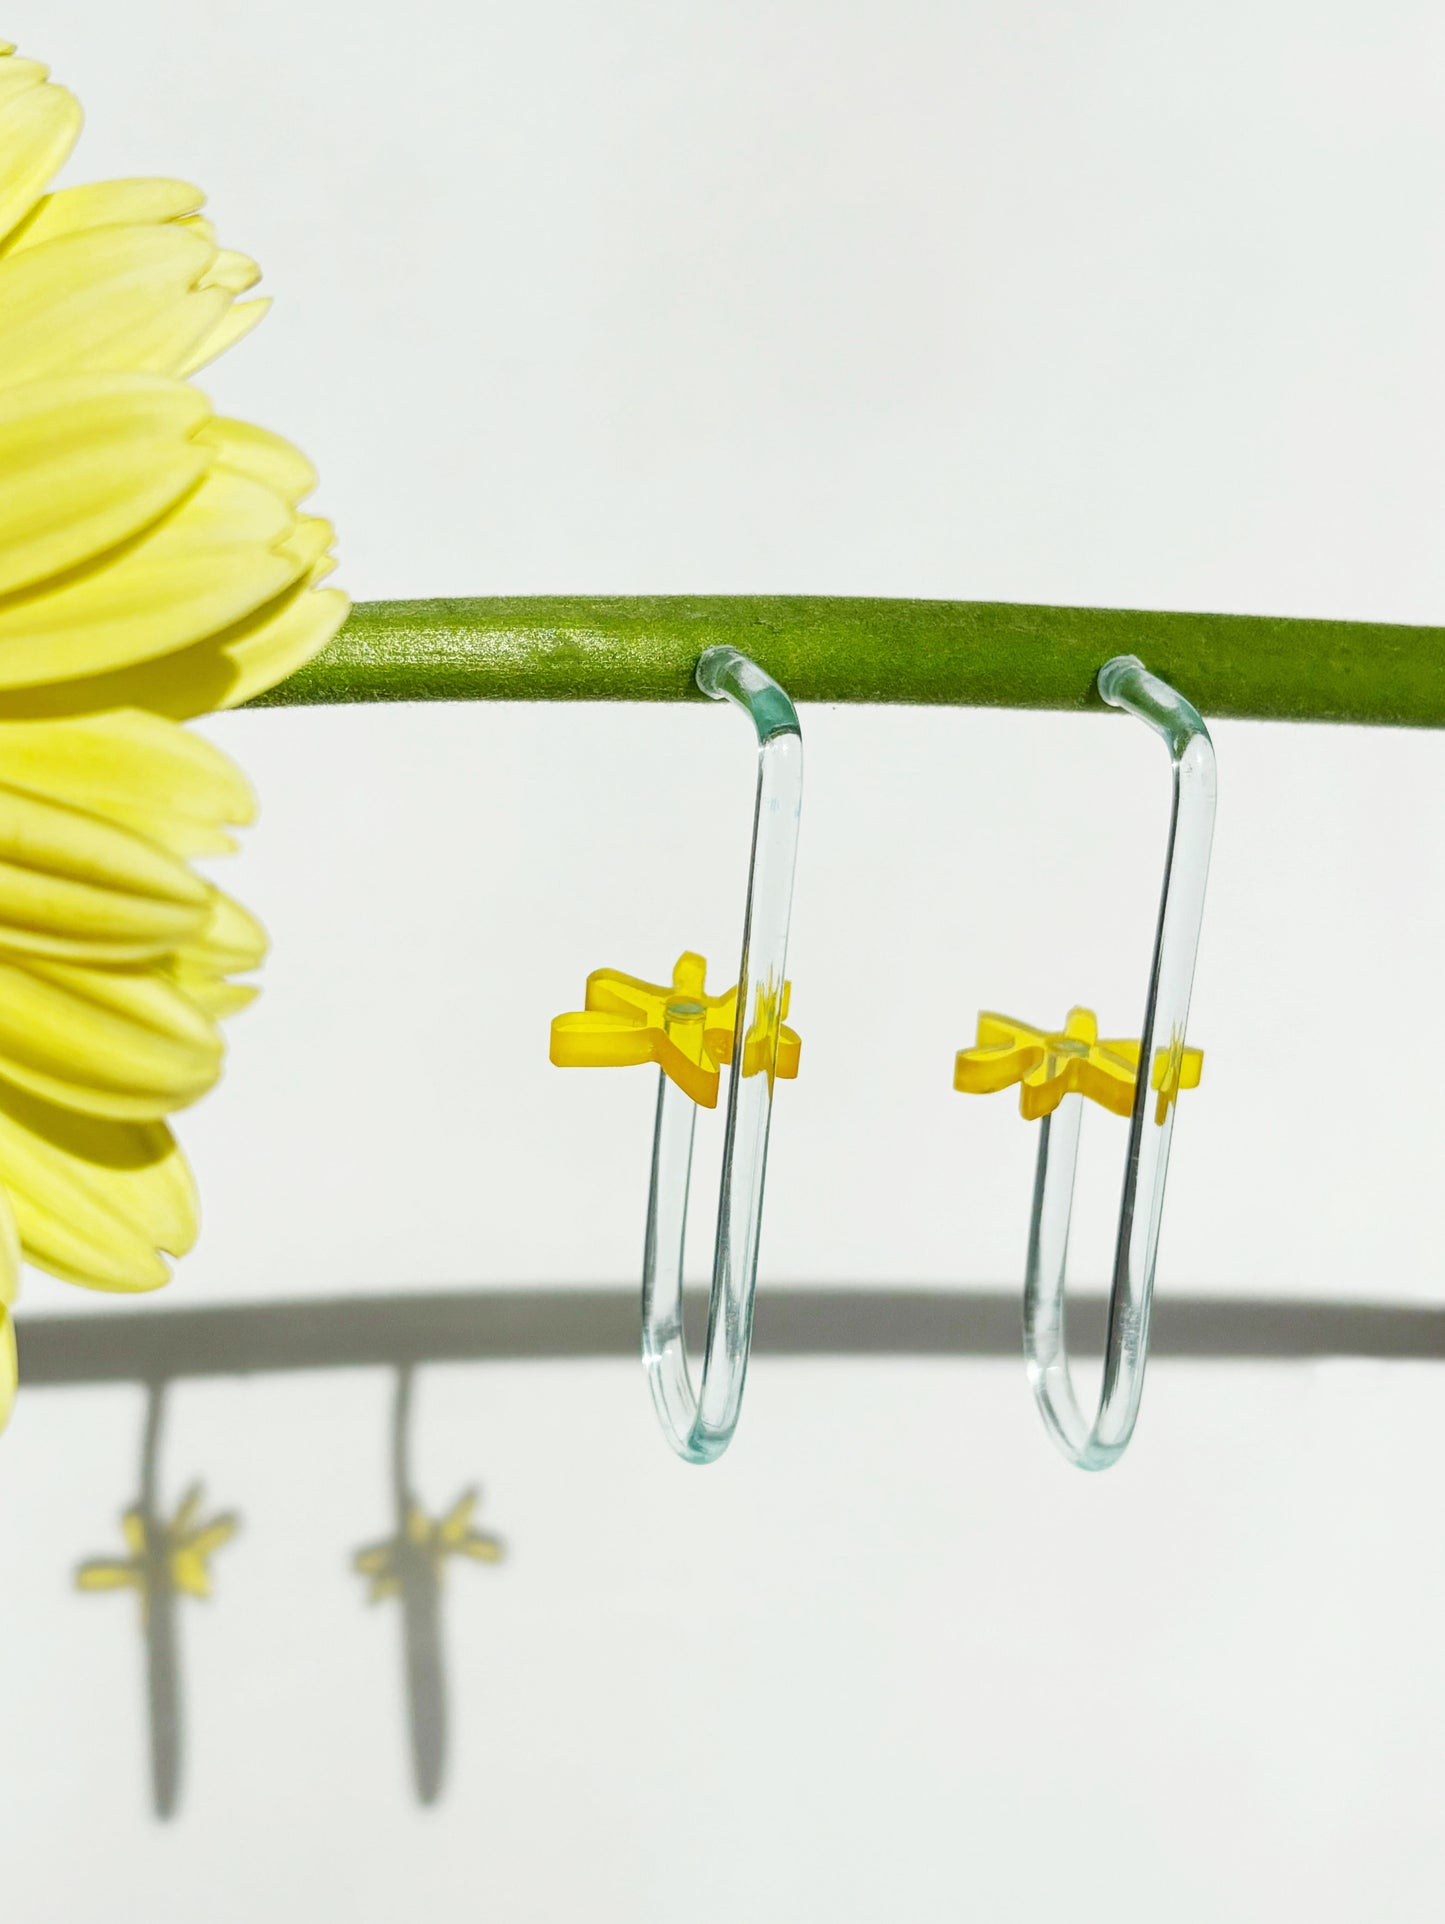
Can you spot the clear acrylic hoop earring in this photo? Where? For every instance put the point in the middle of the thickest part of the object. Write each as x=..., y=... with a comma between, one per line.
x=691, y=1035
x=1058, y=1070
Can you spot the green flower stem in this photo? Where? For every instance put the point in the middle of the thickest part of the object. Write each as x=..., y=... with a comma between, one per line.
x=983, y=654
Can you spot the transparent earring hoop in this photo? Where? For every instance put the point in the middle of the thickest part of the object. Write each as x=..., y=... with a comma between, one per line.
x=699, y=1424
x=1125, y=683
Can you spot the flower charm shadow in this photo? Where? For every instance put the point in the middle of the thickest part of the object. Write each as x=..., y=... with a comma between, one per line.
x=409, y=1566
x=425, y=1545
x=172, y=1556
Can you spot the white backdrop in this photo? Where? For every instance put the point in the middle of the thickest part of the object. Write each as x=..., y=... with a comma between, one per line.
x=1119, y=305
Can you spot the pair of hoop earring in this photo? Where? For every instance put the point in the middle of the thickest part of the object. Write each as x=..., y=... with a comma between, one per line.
x=692, y=1036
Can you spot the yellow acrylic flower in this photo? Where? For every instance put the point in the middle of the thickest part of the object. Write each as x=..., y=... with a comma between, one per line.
x=1049, y=1065
x=175, y=1554
x=425, y=1544
x=679, y=1026
x=154, y=565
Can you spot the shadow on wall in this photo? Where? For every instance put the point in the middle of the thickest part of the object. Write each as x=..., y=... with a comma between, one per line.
x=168, y=1558
x=501, y=1325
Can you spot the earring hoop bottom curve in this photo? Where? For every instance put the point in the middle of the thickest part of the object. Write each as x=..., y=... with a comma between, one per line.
x=1125, y=683
x=700, y=1423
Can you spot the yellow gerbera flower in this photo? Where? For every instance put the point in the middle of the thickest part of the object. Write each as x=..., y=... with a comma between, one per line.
x=154, y=565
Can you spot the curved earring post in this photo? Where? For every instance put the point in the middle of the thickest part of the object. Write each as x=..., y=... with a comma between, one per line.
x=1125, y=683
x=700, y=1424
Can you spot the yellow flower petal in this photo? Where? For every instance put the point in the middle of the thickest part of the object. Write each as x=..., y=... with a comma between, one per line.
x=9, y=1253
x=232, y=271
x=232, y=326
x=74, y=885
x=17, y=74
x=306, y=545
x=105, y=203
x=230, y=942
x=268, y=652
x=165, y=342
x=96, y=1201
x=220, y=672
x=9, y=1285
x=125, y=1044
x=38, y=126
x=101, y=300
x=227, y=550
x=153, y=565
x=260, y=456
x=136, y=768
x=88, y=462
x=212, y=995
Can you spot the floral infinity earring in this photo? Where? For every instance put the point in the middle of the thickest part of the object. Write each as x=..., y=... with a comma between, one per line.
x=690, y=1035
x=1057, y=1070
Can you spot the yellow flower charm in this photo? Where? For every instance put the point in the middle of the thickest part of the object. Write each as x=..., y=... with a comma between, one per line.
x=1050, y=1065
x=684, y=1030
x=175, y=1554
x=154, y=565
x=426, y=1544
